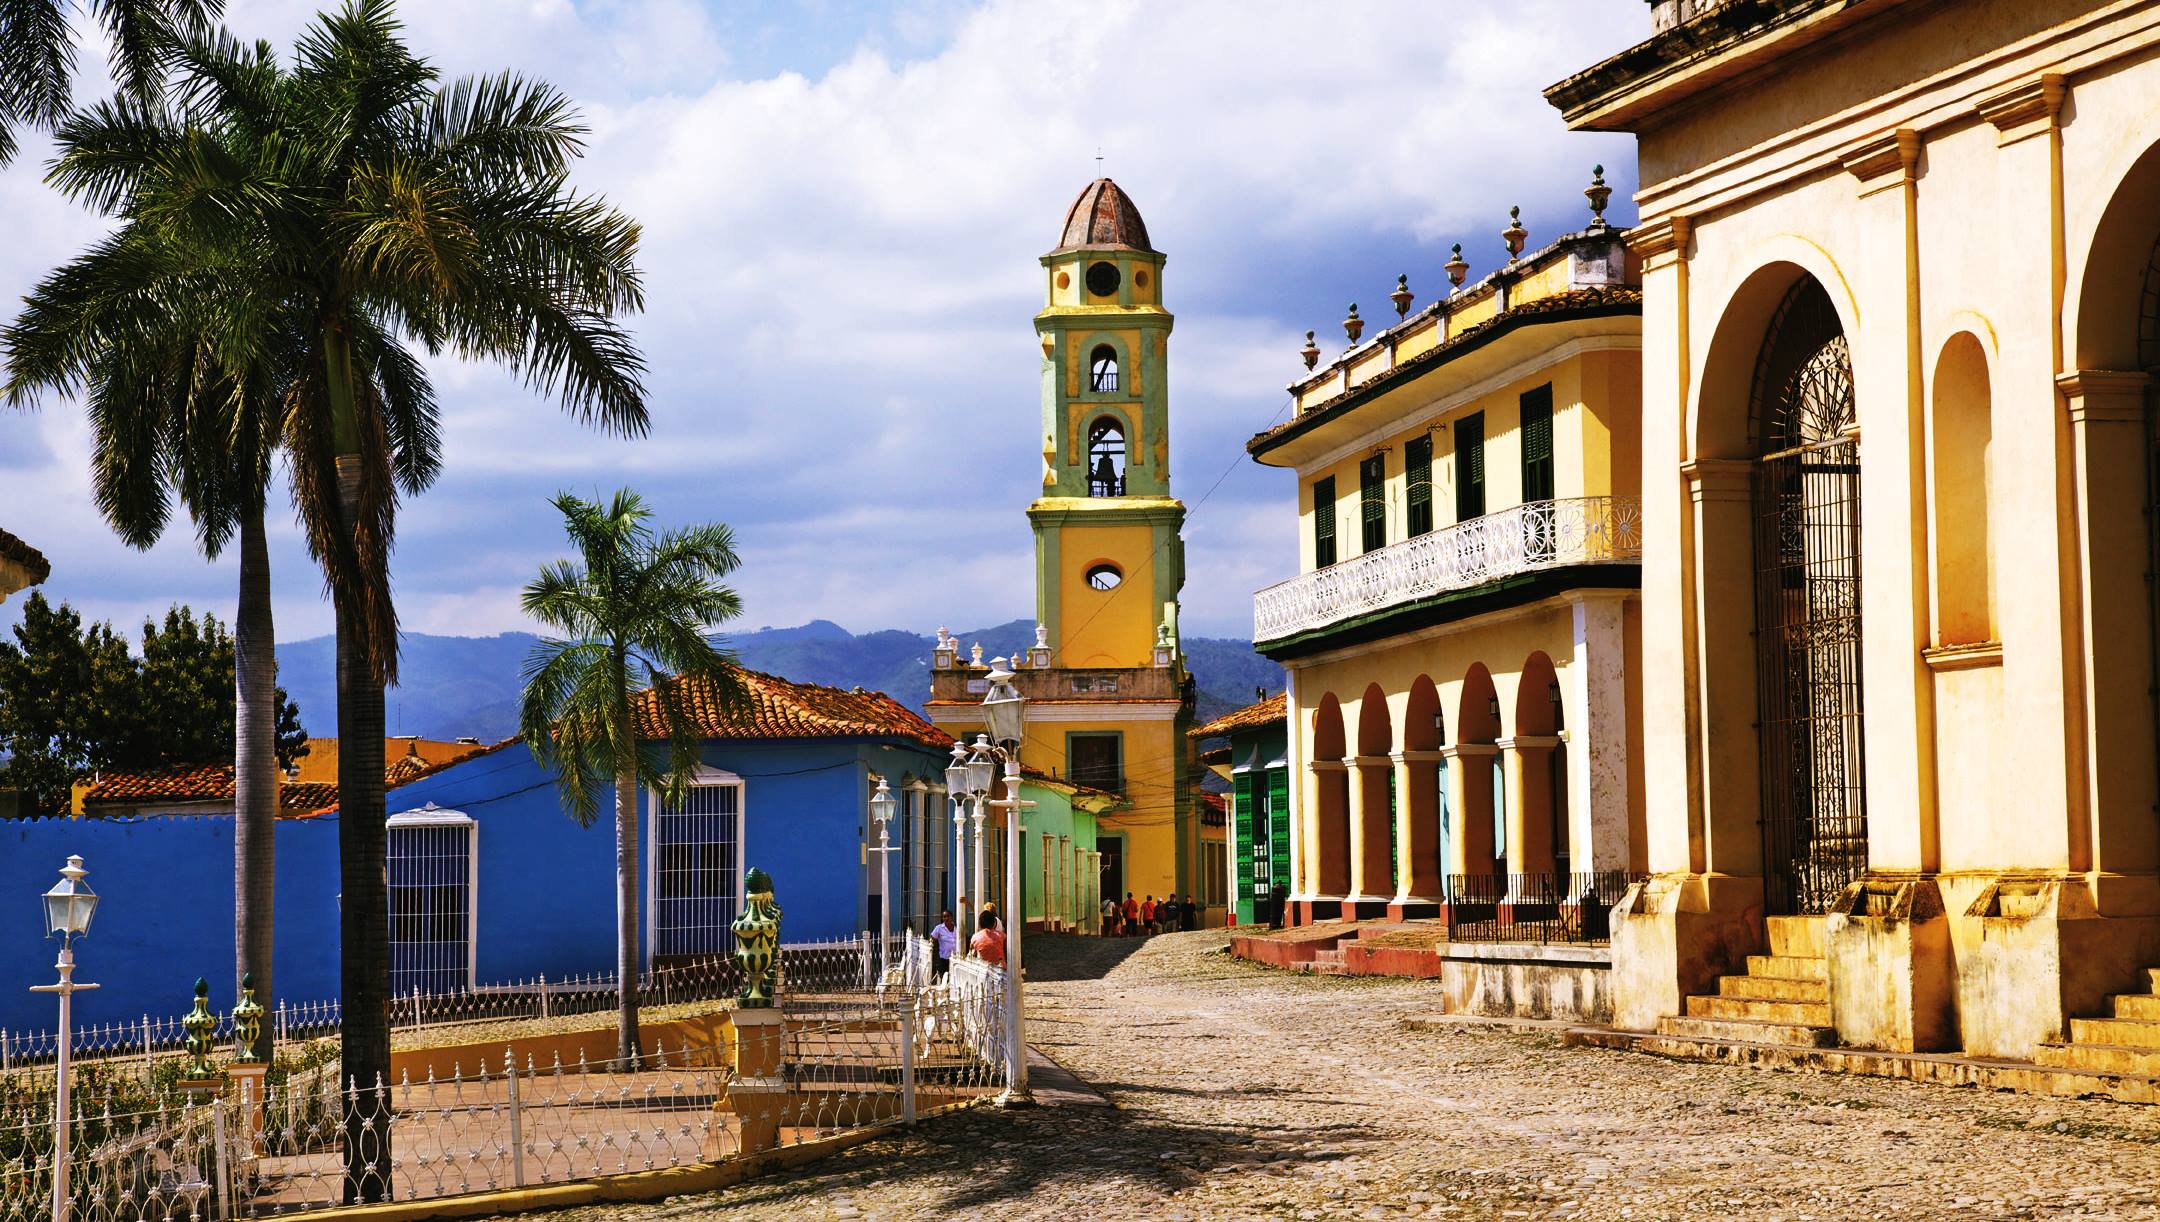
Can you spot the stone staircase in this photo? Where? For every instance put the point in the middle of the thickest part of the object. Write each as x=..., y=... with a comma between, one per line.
x=1327, y=962
x=1783, y=999
x=2127, y=1041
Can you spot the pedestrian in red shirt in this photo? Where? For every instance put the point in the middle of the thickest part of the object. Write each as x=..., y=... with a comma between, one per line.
x=1147, y=914
x=989, y=940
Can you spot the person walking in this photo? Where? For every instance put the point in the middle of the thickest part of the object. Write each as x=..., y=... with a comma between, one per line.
x=1108, y=928
x=944, y=940
x=1132, y=915
x=1166, y=914
x=988, y=944
x=1147, y=915
x=1189, y=913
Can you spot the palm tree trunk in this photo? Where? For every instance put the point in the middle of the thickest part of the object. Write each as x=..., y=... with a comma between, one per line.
x=626, y=912
x=255, y=781
x=364, y=906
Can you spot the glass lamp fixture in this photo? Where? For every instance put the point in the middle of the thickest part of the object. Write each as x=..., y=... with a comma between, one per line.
x=956, y=773
x=1003, y=706
x=981, y=769
x=881, y=806
x=71, y=903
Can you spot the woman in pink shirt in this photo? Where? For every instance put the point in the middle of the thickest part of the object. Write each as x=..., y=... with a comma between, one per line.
x=988, y=944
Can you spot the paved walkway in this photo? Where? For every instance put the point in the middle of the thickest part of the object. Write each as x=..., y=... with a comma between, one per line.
x=1242, y=1092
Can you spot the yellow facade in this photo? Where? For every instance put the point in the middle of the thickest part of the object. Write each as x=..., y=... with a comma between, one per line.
x=1107, y=672
x=1962, y=205
x=1463, y=711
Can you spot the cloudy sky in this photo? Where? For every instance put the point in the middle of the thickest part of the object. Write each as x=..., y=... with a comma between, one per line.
x=843, y=204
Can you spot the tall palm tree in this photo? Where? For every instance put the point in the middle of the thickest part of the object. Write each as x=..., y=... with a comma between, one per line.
x=634, y=614
x=350, y=204
x=37, y=53
x=168, y=419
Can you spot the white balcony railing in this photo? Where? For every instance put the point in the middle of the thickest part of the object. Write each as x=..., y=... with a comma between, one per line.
x=1526, y=539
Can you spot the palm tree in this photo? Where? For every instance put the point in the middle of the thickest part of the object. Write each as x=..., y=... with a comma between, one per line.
x=349, y=204
x=167, y=419
x=37, y=54
x=633, y=616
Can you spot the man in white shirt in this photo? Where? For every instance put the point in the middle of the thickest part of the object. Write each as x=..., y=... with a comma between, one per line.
x=943, y=941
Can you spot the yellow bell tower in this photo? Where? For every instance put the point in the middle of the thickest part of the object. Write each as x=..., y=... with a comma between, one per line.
x=1109, y=559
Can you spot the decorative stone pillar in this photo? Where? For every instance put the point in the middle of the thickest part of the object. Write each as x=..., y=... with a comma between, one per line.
x=1529, y=799
x=1371, y=880
x=1469, y=775
x=1418, y=888
x=1327, y=854
x=1597, y=738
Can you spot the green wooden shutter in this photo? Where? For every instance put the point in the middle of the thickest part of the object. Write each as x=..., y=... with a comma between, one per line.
x=1417, y=484
x=1323, y=518
x=1394, y=837
x=1537, y=458
x=1372, y=502
x=1470, y=467
x=1245, y=821
x=1278, y=817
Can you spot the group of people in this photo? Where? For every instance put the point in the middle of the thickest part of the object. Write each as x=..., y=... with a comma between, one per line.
x=988, y=944
x=1142, y=917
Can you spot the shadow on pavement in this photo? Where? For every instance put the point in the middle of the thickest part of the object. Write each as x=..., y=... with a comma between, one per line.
x=1065, y=956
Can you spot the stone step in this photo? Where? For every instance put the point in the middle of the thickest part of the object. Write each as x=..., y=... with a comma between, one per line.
x=2099, y=1058
x=1774, y=988
x=1747, y=1031
x=1759, y=1009
x=1789, y=967
x=1796, y=937
x=2129, y=1032
x=2135, y=1005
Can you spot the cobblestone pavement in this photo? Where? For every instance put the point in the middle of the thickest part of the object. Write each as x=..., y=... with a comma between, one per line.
x=1244, y=1092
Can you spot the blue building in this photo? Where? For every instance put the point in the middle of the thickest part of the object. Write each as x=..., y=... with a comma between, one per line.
x=490, y=880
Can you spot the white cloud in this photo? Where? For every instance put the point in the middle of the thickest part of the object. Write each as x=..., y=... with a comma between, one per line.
x=841, y=269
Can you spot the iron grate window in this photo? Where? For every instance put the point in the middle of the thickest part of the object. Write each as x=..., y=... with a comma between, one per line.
x=1470, y=467
x=1097, y=761
x=431, y=906
x=1372, y=502
x=697, y=872
x=1537, y=457
x=1323, y=515
x=1417, y=485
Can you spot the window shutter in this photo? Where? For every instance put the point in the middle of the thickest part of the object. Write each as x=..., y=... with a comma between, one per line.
x=1278, y=816
x=1470, y=467
x=1323, y=506
x=1417, y=485
x=1244, y=825
x=1372, y=502
x=1537, y=456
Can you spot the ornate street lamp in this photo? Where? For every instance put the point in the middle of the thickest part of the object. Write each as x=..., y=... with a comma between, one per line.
x=68, y=909
x=881, y=812
x=956, y=780
x=1005, y=713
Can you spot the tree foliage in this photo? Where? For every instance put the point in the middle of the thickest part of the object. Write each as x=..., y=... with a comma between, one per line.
x=75, y=700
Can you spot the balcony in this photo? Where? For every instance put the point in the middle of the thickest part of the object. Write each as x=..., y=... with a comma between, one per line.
x=1529, y=538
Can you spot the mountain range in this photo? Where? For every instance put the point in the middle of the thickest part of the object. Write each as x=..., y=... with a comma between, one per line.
x=452, y=686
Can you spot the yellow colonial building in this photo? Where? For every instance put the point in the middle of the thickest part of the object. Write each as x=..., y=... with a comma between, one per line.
x=1109, y=697
x=1464, y=729
x=1901, y=319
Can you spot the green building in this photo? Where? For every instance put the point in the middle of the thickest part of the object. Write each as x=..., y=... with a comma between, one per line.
x=1255, y=758
x=1061, y=861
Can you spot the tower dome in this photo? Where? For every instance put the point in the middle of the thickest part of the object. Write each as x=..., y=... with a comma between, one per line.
x=1104, y=215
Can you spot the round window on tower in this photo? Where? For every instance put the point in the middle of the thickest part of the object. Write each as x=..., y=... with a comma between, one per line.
x=1104, y=577
x=1102, y=279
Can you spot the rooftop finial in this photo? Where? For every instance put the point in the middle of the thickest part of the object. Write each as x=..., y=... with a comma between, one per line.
x=1597, y=193
x=1352, y=325
x=1311, y=352
x=1402, y=296
x=1514, y=234
x=1457, y=269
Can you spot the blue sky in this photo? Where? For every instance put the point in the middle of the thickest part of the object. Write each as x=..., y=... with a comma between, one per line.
x=843, y=205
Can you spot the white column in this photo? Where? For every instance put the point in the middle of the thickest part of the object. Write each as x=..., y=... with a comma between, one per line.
x=1597, y=757
x=1298, y=886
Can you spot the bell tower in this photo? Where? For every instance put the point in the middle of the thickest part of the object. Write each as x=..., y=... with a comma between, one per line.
x=1109, y=558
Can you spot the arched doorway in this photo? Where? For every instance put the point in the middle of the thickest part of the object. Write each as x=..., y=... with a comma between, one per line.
x=1373, y=847
x=1805, y=502
x=1543, y=836
x=1327, y=871
x=1483, y=819
x=1425, y=813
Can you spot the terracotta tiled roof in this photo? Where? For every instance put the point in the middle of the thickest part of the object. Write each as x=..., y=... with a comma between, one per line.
x=1103, y=215
x=1589, y=302
x=12, y=548
x=1268, y=712
x=1036, y=776
x=1214, y=809
x=777, y=708
x=213, y=783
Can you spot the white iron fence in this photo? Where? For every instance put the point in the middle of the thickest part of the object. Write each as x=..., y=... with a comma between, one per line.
x=858, y=1050
x=1527, y=538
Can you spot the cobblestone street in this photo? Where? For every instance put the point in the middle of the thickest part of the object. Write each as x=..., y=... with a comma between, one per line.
x=1243, y=1092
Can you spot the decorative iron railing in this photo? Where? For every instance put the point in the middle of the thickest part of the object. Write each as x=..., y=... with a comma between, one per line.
x=1536, y=908
x=1528, y=538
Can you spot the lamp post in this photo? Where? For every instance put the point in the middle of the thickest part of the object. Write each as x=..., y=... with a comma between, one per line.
x=881, y=811
x=980, y=773
x=956, y=774
x=68, y=909
x=1005, y=713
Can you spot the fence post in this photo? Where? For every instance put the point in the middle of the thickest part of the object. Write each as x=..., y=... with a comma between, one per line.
x=5, y=1065
x=907, y=1060
x=281, y=1020
x=148, y=1062
x=517, y=1121
x=543, y=995
x=224, y=1170
x=416, y=1007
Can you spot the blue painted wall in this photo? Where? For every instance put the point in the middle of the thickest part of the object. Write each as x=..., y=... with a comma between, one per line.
x=546, y=885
